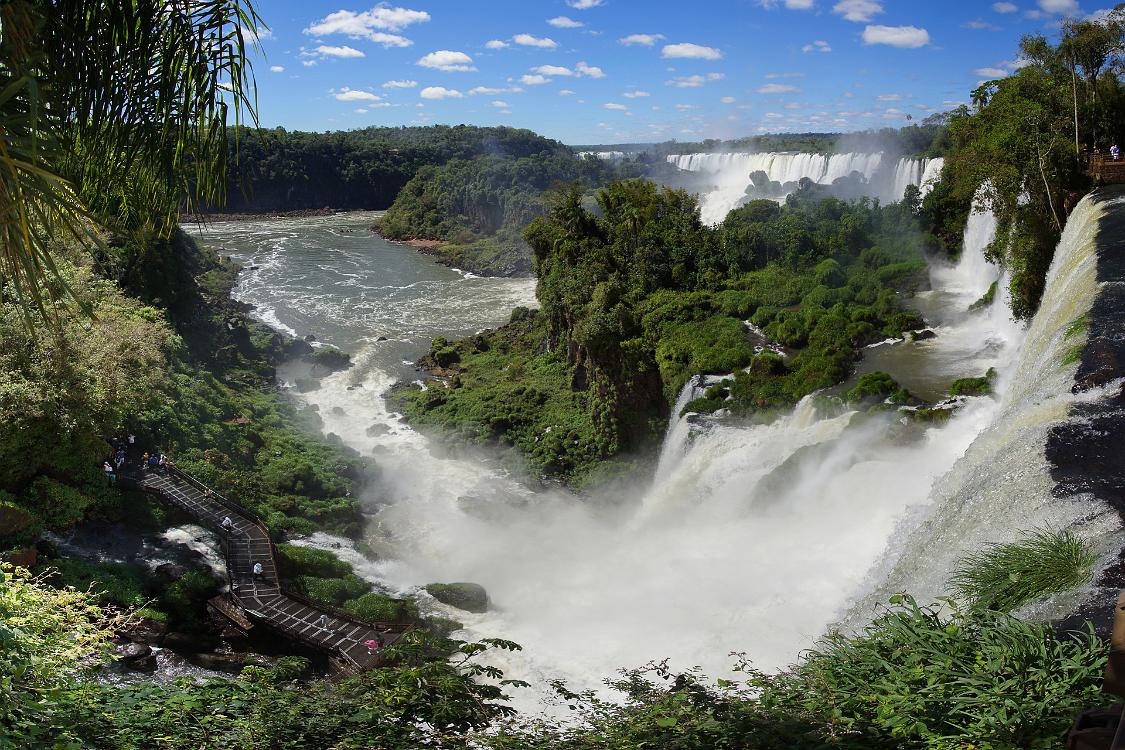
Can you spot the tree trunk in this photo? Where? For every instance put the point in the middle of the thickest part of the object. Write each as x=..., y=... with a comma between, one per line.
x=1046, y=184
x=1074, y=88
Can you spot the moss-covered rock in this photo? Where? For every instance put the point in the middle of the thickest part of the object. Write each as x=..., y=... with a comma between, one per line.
x=872, y=388
x=470, y=597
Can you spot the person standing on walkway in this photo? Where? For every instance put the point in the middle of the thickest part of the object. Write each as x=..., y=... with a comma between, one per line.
x=228, y=525
x=257, y=570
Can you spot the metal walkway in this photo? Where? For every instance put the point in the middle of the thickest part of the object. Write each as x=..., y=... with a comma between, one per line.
x=261, y=597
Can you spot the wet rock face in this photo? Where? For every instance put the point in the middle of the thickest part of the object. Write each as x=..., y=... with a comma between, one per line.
x=470, y=597
x=1087, y=453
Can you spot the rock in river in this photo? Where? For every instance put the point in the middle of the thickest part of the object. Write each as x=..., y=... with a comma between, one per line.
x=470, y=597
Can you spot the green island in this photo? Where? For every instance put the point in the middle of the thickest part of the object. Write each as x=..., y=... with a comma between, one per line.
x=120, y=332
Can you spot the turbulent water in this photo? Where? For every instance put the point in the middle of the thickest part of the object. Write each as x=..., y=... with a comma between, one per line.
x=887, y=179
x=751, y=538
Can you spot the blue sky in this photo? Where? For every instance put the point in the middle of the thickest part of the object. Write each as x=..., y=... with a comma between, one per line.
x=605, y=71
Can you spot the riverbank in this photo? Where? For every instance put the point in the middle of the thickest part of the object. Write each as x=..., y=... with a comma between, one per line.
x=214, y=218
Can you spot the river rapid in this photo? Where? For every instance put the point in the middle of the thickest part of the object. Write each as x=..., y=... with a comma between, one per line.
x=752, y=538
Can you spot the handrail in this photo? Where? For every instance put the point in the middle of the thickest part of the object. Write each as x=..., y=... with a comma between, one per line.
x=226, y=540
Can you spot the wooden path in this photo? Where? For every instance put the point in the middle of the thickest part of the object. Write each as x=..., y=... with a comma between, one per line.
x=261, y=598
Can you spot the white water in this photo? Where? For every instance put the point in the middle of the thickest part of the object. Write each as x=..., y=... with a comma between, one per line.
x=1002, y=488
x=753, y=538
x=732, y=171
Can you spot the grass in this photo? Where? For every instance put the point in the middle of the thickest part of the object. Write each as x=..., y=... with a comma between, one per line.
x=1003, y=577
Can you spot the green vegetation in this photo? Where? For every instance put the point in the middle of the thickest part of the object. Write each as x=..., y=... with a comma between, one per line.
x=874, y=386
x=1006, y=576
x=926, y=140
x=641, y=297
x=1023, y=140
x=480, y=206
x=281, y=170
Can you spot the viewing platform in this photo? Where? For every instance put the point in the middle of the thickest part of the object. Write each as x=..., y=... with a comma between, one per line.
x=1105, y=170
x=260, y=599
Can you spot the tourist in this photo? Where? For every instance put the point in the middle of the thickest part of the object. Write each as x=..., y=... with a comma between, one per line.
x=108, y=469
x=322, y=621
x=154, y=462
x=372, y=645
x=257, y=570
x=228, y=525
x=1114, y=152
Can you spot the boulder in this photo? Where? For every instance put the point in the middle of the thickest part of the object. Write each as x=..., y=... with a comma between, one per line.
x=470, y=597
x=148, y=631
x=232, y=663
x=127, y=652
x=922, y=335
x=377, y=430
x=146, y=664
x=189, y=642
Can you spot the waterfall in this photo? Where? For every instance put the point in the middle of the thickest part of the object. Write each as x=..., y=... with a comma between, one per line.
x=1002, y=488
x=731, y=171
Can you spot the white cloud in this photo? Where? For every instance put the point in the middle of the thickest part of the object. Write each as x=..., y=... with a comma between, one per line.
x=635, y=94
x=905, y=37
x=500, y=104
x=889, y=98
x=309, y=63
x=688, y=50
x=326, y=51
x=1061, y=7
x=860, y=11
x=562, y=22
x=645, y=40
x=790, y=4
x=991, y=72
x=728, y=100
x=693, y=82
x=448, y=61
x=685, y=107
x=277, y=69
x=495, y=44
x=980, y=24
x=439, y=92
x=263, y=33
x=583, y=4
x=777, y=88
x=590, y=71
x=400, y=84
x=533, y=80
x=566, y=92
x=372, y=24
x=361, y=110
x=615, y=105
x=1005, y=7
x=353, y=95
x=359, y=25
x=492, y=90
x=818, y=46
x=553, y=70
x=527, y=40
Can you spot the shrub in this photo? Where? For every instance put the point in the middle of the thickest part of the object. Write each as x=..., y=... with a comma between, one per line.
x=293, y=561
x=1006, y=576
x=381, y=608
x=873, y=386
x=970, y=387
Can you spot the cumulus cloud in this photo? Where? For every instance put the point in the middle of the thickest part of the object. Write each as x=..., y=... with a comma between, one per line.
x=860, y=11
x=818, y=46
x=496, y=44
x=327, y=51
x=615, y=105
x=534, y=80
x=693, y=51
x=277, y=69
x=904, y=37
x=1059, y=7
x=790, y=4
x=590, y=71
x=439, y=92
x=553, y=70
x=490, y=90
x=889, y=98
x=447, y=60
x=371, y=24
x=583, y=4
x=1005, y=7
x=980, y=24
x=635, y=94
x=562, y=22
x=728, y=100
x=500, y=104
x=645, y=40
x=527, y=40
x=566, y=92
x=777, y=88
x=991, y=72
x=354, y=95
x=400, y=84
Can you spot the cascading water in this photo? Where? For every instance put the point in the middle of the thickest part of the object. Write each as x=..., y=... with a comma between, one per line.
x=731, y=172
x=1002, y=488
x=752, y=538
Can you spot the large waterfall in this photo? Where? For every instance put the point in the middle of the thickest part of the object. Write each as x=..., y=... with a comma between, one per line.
x=752, y=537
x=886, y=179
